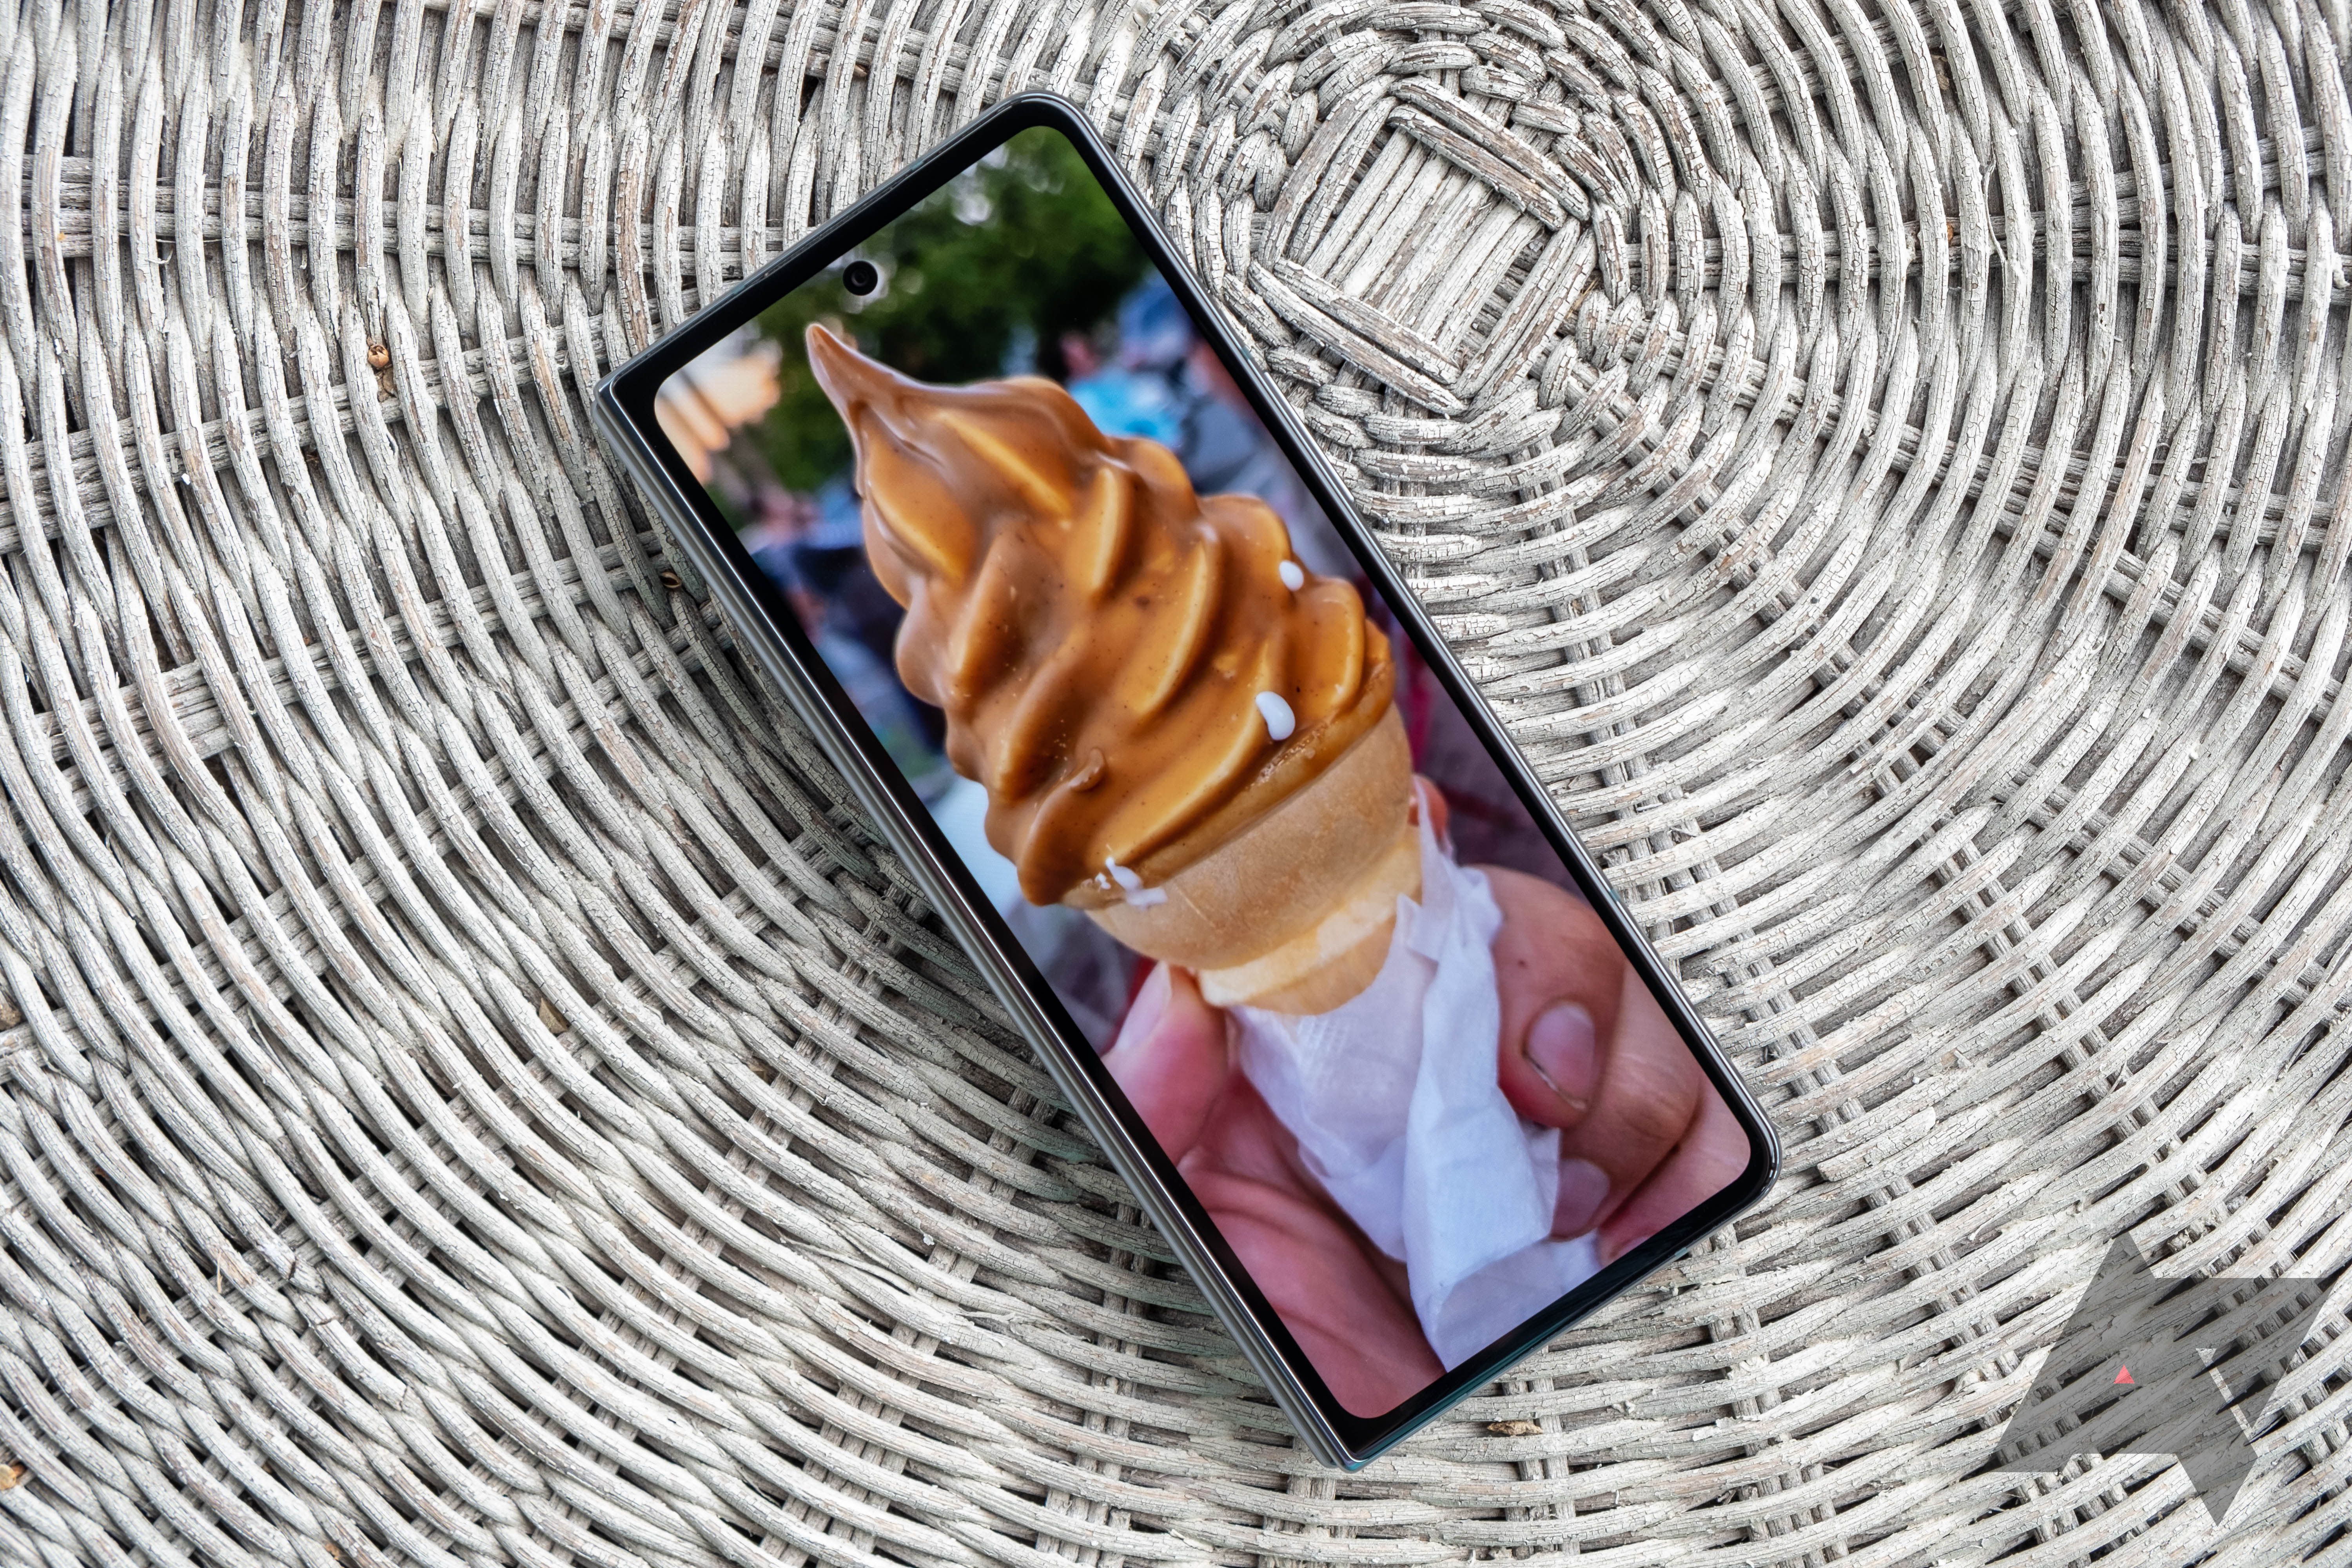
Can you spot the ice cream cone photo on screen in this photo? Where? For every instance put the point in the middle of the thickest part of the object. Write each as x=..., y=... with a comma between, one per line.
x=1421, y=1099
x=1181, y=730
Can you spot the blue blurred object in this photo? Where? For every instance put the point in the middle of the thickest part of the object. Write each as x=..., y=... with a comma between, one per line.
x=1020, y=352
x=773, y=558
x=1225, y=449
x=1122, y=403
x=1154, y=332
x=804, y=559
x=854, y=623
x=838, y=524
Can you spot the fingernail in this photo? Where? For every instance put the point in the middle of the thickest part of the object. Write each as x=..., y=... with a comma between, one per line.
x=1583, y=1193
x=1150, y=1006
x=1562, y=1049
x=1613, y=1247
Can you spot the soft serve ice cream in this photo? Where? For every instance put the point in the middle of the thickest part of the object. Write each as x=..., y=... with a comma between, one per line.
x=1181, y=730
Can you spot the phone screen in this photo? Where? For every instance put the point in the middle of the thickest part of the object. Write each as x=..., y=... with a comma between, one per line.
x=1027, y=520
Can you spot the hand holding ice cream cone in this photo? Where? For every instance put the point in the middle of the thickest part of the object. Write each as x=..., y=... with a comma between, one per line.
x=1583, y=1048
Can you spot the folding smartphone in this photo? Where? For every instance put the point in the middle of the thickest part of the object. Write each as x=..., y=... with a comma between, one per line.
x=1061, y=588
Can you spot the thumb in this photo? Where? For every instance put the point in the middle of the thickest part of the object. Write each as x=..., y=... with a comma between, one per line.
x=1559, y=978
x=1171, y=1059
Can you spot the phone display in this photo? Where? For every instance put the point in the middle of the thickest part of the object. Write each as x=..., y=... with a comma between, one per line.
x=1277, y=877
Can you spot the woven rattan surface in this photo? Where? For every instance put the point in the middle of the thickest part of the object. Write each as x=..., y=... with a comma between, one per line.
x=473, y=1092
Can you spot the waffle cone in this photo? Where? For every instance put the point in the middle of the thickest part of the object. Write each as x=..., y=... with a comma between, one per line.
x=1327, y=964
x=1294, y=913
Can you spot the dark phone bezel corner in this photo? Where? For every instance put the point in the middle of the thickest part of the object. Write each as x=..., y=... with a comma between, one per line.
x=622, y=411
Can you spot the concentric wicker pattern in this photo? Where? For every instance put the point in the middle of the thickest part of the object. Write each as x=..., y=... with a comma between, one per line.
x=472, y=1092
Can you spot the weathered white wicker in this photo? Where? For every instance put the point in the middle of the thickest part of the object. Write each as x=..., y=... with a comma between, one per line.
x=472, y=1092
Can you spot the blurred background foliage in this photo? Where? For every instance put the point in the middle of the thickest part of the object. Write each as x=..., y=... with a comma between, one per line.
x=981, y=278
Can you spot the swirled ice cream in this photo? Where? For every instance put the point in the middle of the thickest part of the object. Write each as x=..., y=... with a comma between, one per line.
x=1145, y=679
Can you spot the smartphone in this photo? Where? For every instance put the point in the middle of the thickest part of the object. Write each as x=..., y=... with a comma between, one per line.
x=986, y=484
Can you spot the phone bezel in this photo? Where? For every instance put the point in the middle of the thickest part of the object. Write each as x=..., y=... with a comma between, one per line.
x=623, y=411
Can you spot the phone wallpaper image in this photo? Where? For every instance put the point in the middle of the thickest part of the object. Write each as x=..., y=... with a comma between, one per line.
x=1049, y=553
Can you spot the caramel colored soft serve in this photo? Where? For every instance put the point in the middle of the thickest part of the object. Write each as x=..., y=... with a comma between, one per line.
x=1124, y=664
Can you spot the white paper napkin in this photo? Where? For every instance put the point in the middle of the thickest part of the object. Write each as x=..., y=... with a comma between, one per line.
x=1397, y=1109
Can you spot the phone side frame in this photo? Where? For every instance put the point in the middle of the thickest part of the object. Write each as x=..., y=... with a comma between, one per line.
x=756, y=630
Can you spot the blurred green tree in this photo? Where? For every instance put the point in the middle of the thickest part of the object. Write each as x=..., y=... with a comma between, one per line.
x=1017, y=250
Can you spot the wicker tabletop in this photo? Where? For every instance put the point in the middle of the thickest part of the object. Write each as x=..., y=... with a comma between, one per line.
x=472, y=1091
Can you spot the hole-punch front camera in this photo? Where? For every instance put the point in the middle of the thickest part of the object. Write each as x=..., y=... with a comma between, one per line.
x=861, y=277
